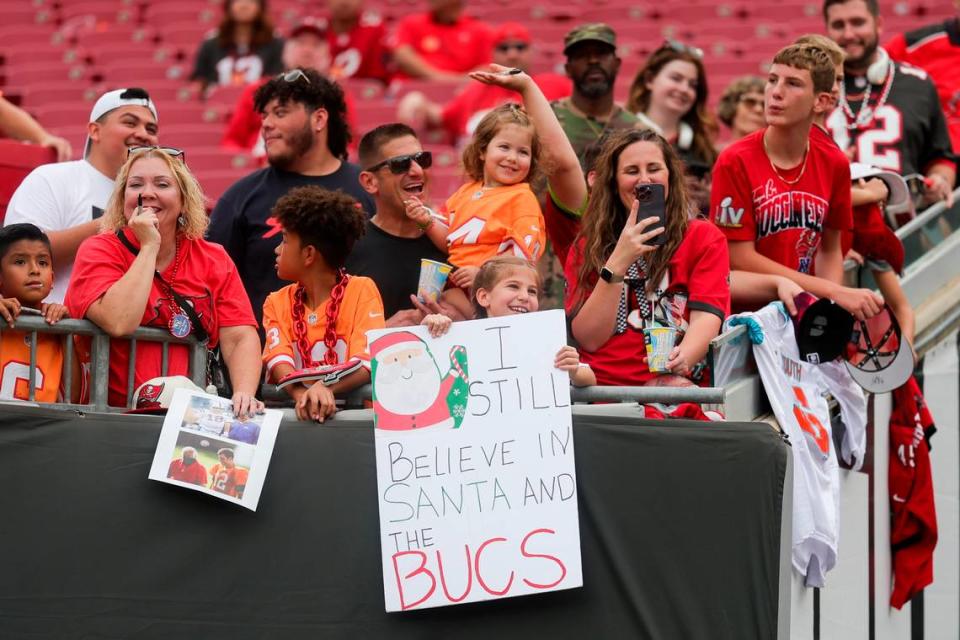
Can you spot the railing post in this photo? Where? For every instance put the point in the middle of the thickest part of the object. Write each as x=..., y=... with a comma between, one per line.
x=99, y=370
x=198, y=364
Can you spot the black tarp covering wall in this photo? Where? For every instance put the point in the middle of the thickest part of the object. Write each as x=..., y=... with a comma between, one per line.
x=679, y=522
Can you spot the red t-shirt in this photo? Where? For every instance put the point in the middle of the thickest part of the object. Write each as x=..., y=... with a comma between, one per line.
x=562, y=226
x=936, y=50
x=459, y=47
x=361, y=52
x=462, y=114
x=206, y=277
x=749, y=201
x=243, y=130
x=193, y=473
x=698, y=279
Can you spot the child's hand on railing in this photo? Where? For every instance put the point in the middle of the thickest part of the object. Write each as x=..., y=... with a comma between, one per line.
x=54, y=312
x=10, y=309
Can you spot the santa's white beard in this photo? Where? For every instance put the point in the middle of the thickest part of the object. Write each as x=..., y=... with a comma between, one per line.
x=408, y=388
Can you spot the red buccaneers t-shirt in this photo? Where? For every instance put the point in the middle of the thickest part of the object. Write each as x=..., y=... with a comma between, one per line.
x=750, y=202
x=207, y=278
x=458, y=47
x=698, y=279
x=361, y=52
x=464, y=112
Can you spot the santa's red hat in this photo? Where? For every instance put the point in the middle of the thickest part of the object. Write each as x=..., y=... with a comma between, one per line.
x=385, y=345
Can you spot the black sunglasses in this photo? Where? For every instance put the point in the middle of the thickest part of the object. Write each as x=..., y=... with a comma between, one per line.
x=294, y=75
x=503, y=47
x=401, y=164
x=170, y=151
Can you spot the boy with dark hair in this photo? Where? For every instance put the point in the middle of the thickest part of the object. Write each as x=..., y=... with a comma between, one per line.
x=782, y=196
x=323, y=318
x=305, y=135
x=26, y=278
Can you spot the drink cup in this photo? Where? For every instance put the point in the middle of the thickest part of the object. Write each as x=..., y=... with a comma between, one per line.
x=433, y=275
x=660, y=342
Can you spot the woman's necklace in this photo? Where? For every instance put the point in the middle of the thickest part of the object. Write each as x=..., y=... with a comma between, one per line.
x=803, y=167
x=179, y=325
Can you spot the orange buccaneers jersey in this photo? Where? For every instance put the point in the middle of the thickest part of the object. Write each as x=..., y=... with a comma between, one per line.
x=360, y=310
x=485, y=223
x=15, y=366
x=228, y=480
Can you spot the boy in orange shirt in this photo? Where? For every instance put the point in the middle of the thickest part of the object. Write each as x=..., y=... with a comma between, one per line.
x=323, y=318
x=26, y=278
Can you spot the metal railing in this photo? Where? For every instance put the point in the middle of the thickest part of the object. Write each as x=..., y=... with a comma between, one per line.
x=100, y=357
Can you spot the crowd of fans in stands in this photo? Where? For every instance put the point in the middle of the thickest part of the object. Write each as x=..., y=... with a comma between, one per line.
x=548, y=161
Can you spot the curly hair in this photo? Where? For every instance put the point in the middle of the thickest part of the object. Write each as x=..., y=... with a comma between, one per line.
x=191, y=195
x=331, y=221
x=698, y=117
x=262, y=28
x=314, y=92
x=606, y=215
x=493, y=271
x=727, y=107
x=487, y=130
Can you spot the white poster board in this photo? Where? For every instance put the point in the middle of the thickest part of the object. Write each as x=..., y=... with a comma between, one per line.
x=475, y=467
x=203, y=446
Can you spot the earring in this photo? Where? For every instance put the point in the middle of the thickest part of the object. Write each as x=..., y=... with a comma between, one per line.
x=181, y=221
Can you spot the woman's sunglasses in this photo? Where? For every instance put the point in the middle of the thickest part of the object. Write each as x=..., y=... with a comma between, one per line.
x=680, y=47
x=401, y=164
x=170, y=151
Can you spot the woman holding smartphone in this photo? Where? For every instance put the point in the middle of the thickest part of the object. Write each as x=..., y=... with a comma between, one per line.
x=629, y=271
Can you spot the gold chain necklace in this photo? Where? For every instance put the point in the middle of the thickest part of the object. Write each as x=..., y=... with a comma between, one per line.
x=803, y=167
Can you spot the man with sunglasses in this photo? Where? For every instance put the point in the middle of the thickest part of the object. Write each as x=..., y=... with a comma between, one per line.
x=459, y=117
x=305, y=136
x=66, y=199
x=396, y=168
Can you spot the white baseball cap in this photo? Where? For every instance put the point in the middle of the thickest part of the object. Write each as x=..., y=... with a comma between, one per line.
x=154, y=395
x=115, y=99
x=899, y=193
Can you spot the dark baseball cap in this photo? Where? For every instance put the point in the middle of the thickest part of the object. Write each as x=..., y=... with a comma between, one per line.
x=591, y=32
x=822, y=327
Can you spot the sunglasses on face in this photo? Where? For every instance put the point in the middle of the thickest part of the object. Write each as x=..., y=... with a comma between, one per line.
x=503, y=47
x=170, y=151
x=294, y=75
x=401, y=164
x=680, y=47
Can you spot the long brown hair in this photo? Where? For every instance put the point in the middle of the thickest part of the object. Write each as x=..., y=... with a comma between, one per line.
x=698, y=117
x=606, y=215
x=262, y=28
x=487, y=129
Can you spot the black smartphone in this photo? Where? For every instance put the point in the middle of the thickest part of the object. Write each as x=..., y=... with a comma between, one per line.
x=652, y=203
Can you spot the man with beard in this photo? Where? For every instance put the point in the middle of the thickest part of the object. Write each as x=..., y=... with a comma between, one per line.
x=67, y=199
x=889, y=114
x=592, y=64
x=187, y=468
x=305, y=135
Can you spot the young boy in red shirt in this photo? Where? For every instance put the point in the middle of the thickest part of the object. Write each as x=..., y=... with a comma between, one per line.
x=323, y=318
x=782, y=195
x=26, y=278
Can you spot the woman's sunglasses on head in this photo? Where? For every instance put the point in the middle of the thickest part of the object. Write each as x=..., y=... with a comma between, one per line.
x=170, y=151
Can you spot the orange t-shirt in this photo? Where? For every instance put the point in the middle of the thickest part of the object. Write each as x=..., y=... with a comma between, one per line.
x=485, y=223
x=360, y=310
x=15, y=366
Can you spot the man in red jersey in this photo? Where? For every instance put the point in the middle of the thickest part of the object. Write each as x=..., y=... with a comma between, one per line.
x=782, y=196
x=442, y=44
x=460, y=116
x=888, y=114
x=187, y=468
x=936, y=50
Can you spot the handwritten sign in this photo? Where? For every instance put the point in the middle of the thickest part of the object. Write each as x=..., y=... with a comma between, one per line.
x=475, y=467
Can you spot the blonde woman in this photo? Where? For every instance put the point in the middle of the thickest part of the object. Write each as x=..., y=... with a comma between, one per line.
x=149, y=263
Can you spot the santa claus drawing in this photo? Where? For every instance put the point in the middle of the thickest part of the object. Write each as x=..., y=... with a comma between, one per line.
x=409, y=391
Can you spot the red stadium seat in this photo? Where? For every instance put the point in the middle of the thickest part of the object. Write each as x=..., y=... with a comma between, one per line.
x=362, y=89
x=140, y=73
x=102, y=11
x=16, y=161
x=13, y=35
x=215, y=182
x=63, y=114
x=24, y=75
x=190, y=136
x=43, y=94
x=163, y=13
x=21, y=13
x=441, y=92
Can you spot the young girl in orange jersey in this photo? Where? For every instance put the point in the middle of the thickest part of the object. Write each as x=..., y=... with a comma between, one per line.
x=322, y=318
x=506, y=286
x=497, y=213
